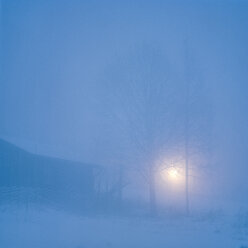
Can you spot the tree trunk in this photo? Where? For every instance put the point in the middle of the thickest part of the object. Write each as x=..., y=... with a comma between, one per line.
x=120, y=187
x=186, y=130
x=152, y=194
x=186, y=177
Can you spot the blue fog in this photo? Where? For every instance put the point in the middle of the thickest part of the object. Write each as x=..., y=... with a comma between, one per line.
x=123, y=124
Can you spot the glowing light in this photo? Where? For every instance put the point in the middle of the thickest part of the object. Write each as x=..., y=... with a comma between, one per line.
x=173, y=173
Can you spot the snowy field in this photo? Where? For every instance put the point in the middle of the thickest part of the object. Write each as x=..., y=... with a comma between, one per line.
x=42, y=228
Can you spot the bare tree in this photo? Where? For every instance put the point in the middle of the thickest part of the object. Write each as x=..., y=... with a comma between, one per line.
x=197, y=118
x=143, y=97
x=186, y=127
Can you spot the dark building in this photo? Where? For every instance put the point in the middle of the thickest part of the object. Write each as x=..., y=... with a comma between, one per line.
x=26, y=178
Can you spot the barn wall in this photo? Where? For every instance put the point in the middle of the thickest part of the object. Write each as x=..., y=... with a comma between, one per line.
x=28, y=178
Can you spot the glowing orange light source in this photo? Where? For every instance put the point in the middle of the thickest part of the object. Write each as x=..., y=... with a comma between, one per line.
x=173, y=173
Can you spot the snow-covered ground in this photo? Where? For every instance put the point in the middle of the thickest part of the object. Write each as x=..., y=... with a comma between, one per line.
x=42, y=228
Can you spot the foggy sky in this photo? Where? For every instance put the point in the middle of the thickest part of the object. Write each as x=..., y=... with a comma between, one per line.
x=55, y=55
